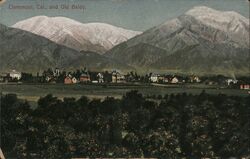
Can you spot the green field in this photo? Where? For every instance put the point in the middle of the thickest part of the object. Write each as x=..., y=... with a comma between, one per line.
x=32, y=92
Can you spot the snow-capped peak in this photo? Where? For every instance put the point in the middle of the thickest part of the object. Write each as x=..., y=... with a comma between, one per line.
x=234, y=25
x=97, y=37
x=218, y=19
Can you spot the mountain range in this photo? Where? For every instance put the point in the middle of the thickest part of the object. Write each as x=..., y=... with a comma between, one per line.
x=201, y=41
x=25, y=51
x=95, y=37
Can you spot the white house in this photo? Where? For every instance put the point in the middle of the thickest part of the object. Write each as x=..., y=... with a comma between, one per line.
x=175, y=80
x=154, y=78
x=231, y=81
x=100, y=78
x=74, y=80
x=15, y=75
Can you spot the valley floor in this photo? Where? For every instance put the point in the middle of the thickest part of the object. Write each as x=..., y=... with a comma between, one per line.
x=32, y=92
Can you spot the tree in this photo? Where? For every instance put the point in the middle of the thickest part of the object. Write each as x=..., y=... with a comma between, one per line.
x=161, y=144
x=139, y=120
x=132, y=100
x=109, y=106
x=14, y=120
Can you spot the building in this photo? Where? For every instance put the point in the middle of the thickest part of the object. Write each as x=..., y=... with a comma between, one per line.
x=165, y=79
x=161, y=79
x=100, y=78
x=174, y=80
x=84, y=78
x=49, y=78
x=56, y=72
x=3, y=77
x=95, y=82
x=14, y=75
x=197, y=79
x=154, y=78
x=118, y=77
x=194, y=79
x=68, y=80
x=74, y=80
x=245, y=86
x=231, y=81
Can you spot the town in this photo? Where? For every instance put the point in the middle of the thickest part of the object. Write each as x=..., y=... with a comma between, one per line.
x=84, y=76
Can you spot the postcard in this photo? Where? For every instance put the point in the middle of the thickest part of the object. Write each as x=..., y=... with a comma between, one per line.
x=156, y=79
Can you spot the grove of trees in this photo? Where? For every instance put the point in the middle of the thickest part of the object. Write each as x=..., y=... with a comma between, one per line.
x=173, y=126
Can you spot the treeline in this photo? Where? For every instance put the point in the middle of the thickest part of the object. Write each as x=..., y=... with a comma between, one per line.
x=179, y=126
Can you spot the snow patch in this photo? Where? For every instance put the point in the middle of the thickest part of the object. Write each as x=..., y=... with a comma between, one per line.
x=58, y=28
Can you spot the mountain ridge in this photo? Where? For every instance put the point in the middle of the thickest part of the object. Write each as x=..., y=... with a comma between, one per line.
x=96, y=37
x=25, y=51
x=176, y=36
x=191, y=43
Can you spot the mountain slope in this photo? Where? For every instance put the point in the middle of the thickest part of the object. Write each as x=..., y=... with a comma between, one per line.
x=28, y=52
x=201, y=41
x=96, y=37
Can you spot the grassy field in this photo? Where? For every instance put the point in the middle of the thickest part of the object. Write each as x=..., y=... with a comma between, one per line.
x=32, y=92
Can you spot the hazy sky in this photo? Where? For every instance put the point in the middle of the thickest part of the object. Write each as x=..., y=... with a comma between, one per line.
x=131, y=14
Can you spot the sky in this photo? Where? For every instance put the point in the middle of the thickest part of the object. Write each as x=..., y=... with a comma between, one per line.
x=138, y=15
